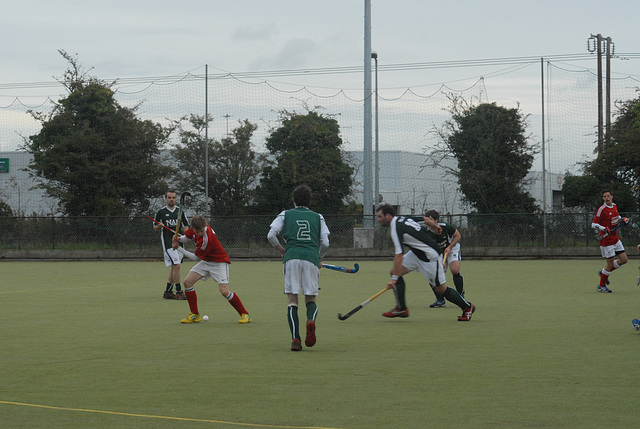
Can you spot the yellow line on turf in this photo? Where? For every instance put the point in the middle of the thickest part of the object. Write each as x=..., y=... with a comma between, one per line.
x=164, y=417
x=56, y=289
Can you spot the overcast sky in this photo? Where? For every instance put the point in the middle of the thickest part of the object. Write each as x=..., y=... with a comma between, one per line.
x=121, y=39
x=139, y=38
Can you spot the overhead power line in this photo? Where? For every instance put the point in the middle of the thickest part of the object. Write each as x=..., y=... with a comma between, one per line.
x=336, y=70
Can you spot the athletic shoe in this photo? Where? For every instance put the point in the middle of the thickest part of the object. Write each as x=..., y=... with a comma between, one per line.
x=636, y=324
x=191, y=318
x=396, y=312
x=168, y=295
x=438, y=304
x=180, y=295
x=466, y=313
x=296, y=345
x=604, y=289
x=600, y=273
x=244, y=318
x=310, y=340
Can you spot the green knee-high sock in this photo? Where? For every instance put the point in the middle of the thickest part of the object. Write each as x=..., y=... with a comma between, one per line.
x=438, y=297
x=312, y=310
x=458, y=281
x=399, y=290
x=452, y=295
x=292, y=317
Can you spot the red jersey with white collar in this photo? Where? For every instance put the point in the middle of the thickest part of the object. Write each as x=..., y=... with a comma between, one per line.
x=608, y=217
x=208, y=247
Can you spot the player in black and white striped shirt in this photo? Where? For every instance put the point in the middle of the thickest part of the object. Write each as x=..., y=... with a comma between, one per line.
x=168, y=216
x=424, y=256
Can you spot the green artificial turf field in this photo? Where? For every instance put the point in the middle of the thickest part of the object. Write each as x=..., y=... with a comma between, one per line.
x=93, y=345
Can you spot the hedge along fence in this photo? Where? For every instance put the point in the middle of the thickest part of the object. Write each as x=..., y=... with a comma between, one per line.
x=250, y=232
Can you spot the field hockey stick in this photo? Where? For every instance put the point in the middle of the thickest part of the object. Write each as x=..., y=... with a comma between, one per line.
x=349, y=314
x=444, y=259
x=159, y=223
x=182, y=197
x=605, y=235
x=353, y=270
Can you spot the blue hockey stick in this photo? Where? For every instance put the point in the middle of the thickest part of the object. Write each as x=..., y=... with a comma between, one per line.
x=353, y=270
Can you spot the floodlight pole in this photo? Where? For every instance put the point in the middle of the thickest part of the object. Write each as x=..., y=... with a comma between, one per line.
x=376, y=193
x=227, y=116
x=544, y=162
x=206, y=138
x=367, y=201
x=607, y=104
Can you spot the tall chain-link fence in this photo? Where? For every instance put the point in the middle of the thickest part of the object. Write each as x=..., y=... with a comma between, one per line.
x=406, y=121
x=250, y=232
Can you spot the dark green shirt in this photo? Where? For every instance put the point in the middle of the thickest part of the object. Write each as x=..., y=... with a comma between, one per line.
x=301, y=229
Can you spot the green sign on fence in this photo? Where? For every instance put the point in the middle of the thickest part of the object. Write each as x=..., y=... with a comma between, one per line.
x=4, y=165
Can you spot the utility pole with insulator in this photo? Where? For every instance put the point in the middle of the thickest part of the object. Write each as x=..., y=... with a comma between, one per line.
x=597, y=43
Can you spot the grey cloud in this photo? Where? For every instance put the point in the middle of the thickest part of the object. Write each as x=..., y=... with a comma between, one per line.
x=295, y=53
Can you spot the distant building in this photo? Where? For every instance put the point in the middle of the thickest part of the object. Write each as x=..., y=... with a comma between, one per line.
x=16, y=187
x=403, y=182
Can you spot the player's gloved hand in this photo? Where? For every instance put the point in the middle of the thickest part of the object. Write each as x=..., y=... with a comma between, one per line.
x=607, y=231
x=625, y=220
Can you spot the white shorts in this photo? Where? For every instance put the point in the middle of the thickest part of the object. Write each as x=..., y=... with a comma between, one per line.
x=454, y=255
x=432, y=270
x=301, y=276
x=611, y=251
x=218, y=271
x=172, y=257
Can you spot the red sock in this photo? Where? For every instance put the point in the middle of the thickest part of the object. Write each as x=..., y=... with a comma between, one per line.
x=603, y=280
x=192, y=299
x=237, y=304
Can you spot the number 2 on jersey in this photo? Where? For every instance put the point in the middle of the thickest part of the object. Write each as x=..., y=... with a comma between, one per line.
x=304, y=230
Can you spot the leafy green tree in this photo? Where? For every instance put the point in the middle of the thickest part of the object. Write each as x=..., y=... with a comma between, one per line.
x=585, y=192
x=306, y=150
x=582, y=192
x=234, y=167
x=617, y=167
x=5, y=209
x=94, y=155
x=489, y=146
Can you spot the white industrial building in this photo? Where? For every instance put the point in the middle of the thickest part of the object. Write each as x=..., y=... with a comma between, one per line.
x=403, y=181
